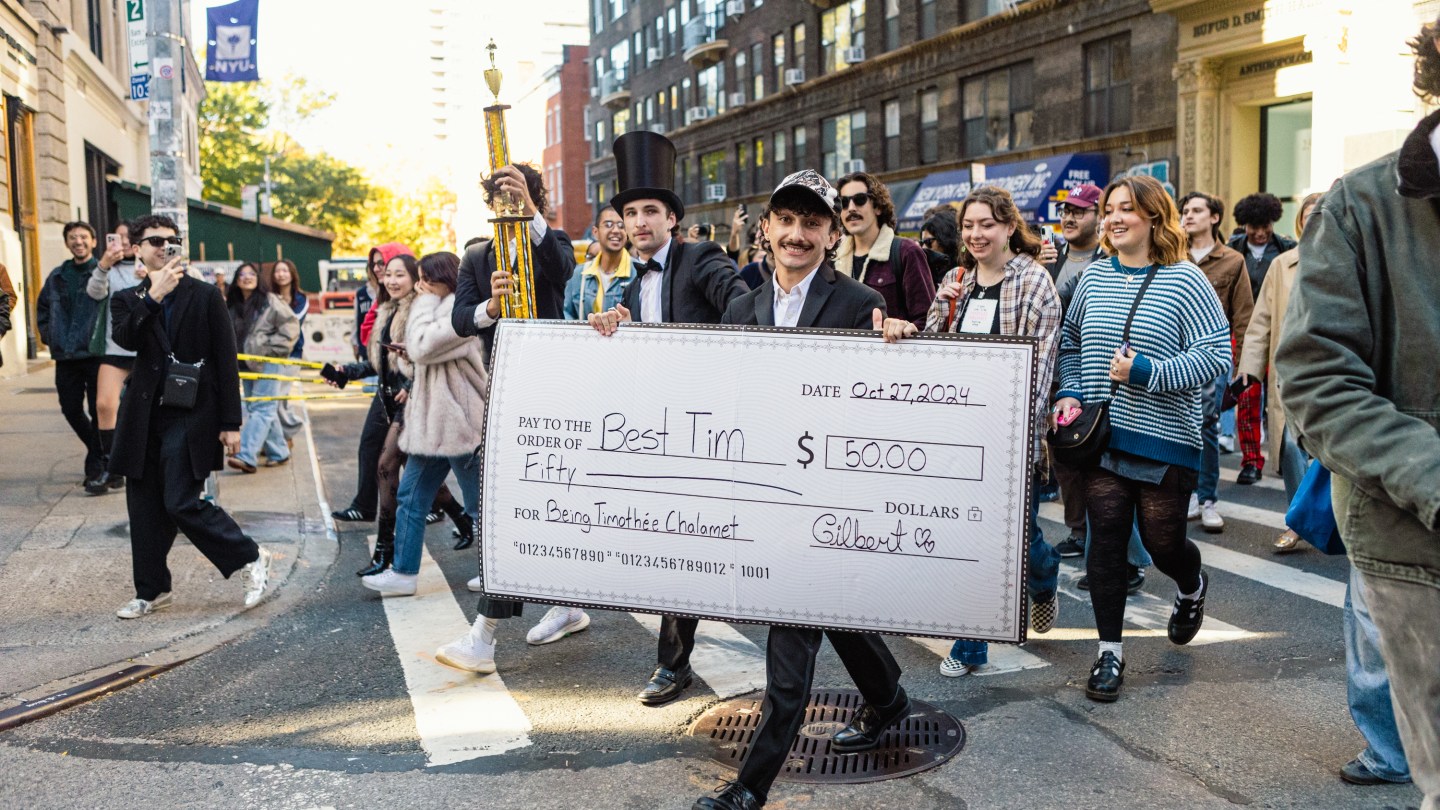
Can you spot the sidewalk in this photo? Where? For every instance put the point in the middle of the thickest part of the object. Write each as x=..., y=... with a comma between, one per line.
x=65, y=556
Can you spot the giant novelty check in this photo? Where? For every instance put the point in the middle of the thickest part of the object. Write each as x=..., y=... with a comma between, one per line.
x=820, y=478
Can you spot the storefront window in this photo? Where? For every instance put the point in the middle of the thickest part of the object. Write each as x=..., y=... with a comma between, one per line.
x=1285, y=161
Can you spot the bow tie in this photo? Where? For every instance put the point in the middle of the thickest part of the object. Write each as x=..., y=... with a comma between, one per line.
x=641, y=268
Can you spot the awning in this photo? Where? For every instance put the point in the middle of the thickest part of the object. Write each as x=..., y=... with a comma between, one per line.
x=936, y=189
x=901, y=192
x=1038, y=186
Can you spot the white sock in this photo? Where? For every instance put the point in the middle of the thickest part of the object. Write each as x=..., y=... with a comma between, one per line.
x=1196, y=595
x=1112, y=647
x=487, y=629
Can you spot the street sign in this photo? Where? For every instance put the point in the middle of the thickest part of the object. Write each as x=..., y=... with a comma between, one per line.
x=139, y=50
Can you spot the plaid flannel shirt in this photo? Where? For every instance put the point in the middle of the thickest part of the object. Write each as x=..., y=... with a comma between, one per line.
x=1029, y=306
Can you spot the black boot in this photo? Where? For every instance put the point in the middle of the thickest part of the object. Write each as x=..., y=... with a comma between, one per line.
x=466, y=527
x=384, y=548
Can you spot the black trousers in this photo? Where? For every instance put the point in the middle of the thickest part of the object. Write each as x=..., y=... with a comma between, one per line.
x=75, y=387
x=166, y=500
x=372, y=441
x=677, y=641
x=789, y=671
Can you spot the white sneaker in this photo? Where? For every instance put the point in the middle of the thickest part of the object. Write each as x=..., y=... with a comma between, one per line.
x=389, y=583
x=257, y=578
x=1210, y=518
x=474, y=585
x=470, y=652
x=1194, y=508
x=558, y=623
x=1227, y=444
x=137, y=607
x=952, y=668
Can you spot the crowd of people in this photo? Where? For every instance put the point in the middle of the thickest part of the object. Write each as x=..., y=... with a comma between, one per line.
x=1140, y=304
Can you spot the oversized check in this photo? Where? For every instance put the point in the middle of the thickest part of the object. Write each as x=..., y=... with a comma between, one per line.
x=820, y=478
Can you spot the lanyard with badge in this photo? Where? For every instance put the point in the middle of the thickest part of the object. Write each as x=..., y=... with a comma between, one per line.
x=978, y=312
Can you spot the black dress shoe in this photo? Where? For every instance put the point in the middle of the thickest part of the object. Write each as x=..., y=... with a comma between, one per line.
x=1249, y=474
x=733, y=796
x=117, y=481
x=464, y=532
x=99, y=485
x=665, y=685
x=1188, y=614
x=867, y=725
x=1106, y=678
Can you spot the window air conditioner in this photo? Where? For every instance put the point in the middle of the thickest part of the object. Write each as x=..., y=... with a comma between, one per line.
x=795, y=76
x=658, y=129
x=595, y=91
x=737, y=99
x=854, y=55
x=715, y=192
x=696, y=114
x=851, y=166
x=654, y=54
x=734, y=8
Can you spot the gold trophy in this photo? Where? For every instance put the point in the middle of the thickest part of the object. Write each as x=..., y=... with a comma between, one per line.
x=512, y=227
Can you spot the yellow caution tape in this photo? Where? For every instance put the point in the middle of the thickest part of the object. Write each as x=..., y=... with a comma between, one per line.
x=310, y=396
x=285, y=361
x=253, y=375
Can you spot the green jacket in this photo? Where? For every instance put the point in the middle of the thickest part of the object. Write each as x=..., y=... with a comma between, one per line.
x=1357, y=361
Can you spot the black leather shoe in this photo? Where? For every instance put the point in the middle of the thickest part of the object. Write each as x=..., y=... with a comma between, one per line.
x=384, y=555
x=431, y=518
x=1136, y=580
x=1188, y=614
x=117, y=481
x=867, y=725
x=665, y=685
x=733, y=796
x=1249, y=474
x=1106, y=678
x=99, y=485
x=465, y=538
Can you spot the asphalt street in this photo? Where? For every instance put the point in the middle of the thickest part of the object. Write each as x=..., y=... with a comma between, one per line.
x=313, y=709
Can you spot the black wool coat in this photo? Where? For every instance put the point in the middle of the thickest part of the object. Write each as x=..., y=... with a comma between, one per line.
x=834, y=301
x=554, y=260
x=200, y=329
x=699, y=282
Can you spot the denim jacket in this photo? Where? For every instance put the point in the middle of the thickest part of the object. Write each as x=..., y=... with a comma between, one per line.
x=584, y=285
x=1355, y=361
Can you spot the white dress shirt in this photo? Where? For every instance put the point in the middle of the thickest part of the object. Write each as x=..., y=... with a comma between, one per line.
x=788, y=305
x=652, y=308
x=538, y=229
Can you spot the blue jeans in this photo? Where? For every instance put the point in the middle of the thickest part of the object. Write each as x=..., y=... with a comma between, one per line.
x=418, y=484
x=261, y=425
x=1211, y=398
x=1293, y=462
x=1041, y=581
x=1367, y=684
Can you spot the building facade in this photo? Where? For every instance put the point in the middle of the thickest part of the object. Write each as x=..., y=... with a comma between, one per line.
x=565, y=153
x=915, y=91
x=71, y=131
x=1285, y=96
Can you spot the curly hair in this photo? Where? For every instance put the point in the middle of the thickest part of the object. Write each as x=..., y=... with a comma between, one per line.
x=533, y=181
x=1004, y=210
x=884, y=206
x=1259, y=210
x=802, y=205
x=143, y=223
x=1427, y=62
x=1168, y=242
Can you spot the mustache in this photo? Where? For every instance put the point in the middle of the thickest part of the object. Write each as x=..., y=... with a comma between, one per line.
x=800, y=245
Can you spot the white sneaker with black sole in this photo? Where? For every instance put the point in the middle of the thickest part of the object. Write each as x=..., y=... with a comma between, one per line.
x=138, y=607
x=257, y=578
x=558, y=623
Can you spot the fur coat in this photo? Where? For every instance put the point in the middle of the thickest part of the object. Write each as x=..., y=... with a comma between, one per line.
x=396, y=313
x=445, y=414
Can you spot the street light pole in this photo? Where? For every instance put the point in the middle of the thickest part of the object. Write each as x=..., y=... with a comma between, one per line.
x=167, y=141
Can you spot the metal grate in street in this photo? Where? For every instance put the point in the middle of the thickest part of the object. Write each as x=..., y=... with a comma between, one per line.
x=923, y=740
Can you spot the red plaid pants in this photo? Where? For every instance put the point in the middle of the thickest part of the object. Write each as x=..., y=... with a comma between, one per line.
x=1247, y=424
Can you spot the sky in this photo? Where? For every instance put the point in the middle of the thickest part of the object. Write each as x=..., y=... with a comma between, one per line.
x=372, y=56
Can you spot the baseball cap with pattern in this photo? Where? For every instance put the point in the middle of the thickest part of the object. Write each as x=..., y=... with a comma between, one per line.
x=1086, y=195
x=811, y=181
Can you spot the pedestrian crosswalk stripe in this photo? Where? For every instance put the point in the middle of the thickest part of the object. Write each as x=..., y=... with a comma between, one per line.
x=449, y=704
x=1228, y=510
x=1276, y=575
x=729, y=663
x=1143, y=610
x=1003, y=657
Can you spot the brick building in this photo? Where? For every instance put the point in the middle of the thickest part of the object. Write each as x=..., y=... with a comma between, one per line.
x=1040, y=94
x=566, y=151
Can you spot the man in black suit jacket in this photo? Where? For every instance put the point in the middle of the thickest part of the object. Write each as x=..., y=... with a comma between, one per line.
x=802, y=227
x=477, y=304
x=167, y=450
x=674, y=282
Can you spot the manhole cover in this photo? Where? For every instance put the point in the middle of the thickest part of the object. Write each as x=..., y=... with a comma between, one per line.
x=918, y=743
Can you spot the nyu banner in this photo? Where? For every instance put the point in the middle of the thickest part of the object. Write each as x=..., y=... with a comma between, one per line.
x=231, y=36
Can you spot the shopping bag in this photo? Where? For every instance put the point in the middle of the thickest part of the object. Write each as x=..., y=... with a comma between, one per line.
x=1311, y=515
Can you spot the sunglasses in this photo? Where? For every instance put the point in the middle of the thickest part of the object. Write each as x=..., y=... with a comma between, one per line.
x=861, y=200
x=161, y=241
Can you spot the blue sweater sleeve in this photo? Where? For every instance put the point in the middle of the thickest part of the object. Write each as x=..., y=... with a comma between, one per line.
x=1206, y=334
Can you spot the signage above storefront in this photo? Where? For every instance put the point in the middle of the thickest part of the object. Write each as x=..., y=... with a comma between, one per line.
x=1038, y=186
x=1257, y=67
x=1272, y=21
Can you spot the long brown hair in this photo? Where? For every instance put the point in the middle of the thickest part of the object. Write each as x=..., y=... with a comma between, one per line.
x=294, y=293
x=1168, y=243
x=1003, y=208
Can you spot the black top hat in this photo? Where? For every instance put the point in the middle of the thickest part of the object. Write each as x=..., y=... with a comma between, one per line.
x=645, y=170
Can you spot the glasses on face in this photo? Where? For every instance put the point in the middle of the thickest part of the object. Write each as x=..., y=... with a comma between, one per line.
x=861, y=200
x=161, y=241
x=928, y=244
x=1071, y=212
x=611, y=224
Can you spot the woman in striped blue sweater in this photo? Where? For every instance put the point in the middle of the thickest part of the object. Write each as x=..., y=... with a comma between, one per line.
x=1179, y=339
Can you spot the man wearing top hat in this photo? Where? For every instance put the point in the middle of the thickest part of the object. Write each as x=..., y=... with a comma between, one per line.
x=690, y=282
x=802, y=227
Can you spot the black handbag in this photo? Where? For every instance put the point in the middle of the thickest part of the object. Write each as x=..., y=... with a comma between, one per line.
x=1081, y=443
x=182, y=380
